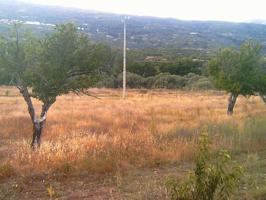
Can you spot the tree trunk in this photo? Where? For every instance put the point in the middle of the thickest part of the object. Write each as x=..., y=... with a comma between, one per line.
x=26, y=95
x=38, y=124
x=37, y=133
x=231, y=103
x=263, y=98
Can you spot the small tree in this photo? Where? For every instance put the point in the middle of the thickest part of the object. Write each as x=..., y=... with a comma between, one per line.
x=44, y=69
x=237, y=72
x=214, y=177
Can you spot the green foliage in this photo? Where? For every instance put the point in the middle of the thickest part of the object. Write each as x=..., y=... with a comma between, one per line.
x=144, y=69
x=213, y=178
x=260, y=80
x=12, y=58
x=62, y=62
x=197, y=82
x=133, y=80
x=54, y=65
x=201, y=84
x=163, y=80
x=237, y=71
x=168, y=81
x=182, y=66
x=176, y=66
x=107, y=82
x=67, y=62
x=149, y=81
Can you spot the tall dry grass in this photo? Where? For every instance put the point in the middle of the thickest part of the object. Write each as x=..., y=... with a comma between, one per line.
x=149, y=128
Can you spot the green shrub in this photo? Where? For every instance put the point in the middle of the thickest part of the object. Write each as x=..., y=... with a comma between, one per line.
x=212, y=178
x=182, y=66
x=133, y=80
x=193, y=77
x=145, y=69
x=169, y=82
x=107, y=82
x=197, y=82
x=202, y=84
x=163, y=80
x=149, y=81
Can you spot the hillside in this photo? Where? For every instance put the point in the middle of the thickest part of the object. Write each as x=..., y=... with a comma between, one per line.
x=143, y=32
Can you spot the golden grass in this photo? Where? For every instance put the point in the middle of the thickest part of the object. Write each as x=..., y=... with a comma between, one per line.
x=149, y=128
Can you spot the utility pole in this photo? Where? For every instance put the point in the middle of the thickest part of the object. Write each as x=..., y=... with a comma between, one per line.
x=125, y=57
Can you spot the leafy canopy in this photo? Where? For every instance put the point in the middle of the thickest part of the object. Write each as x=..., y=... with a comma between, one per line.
x=61, y=62
x=237, y=71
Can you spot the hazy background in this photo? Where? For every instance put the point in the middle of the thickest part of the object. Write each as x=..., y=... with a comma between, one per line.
x=224, y=10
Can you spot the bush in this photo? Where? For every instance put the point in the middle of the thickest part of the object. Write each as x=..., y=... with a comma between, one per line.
x=149, y=81
x=163, y=80
x=197, y=82
x=145, y=69
x=193, y=77
x=212, y=178
x=133, y=80
x=108, y=82
x=169, y=81
x=202, y=84
x=182, y=66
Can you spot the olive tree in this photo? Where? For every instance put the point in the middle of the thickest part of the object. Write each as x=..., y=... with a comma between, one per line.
x=238, y=72
x=61, y=62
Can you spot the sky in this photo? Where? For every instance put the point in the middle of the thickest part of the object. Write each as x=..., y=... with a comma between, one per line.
x=222, y=10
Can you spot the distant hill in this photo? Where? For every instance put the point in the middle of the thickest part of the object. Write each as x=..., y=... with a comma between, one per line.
x=143, y=32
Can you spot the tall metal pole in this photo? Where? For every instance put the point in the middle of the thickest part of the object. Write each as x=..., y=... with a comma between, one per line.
x=124, y=58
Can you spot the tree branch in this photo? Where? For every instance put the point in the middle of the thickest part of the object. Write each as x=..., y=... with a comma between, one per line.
x=77, y=73
x=26, y=95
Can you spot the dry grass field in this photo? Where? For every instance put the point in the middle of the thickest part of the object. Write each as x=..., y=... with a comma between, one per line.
x=148, y=133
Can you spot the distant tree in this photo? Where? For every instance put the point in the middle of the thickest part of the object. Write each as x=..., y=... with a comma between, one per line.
x=182, y=66
x=144, y=69
x=237, y=72
x=46, y=68
x=169, y=81
x=261, y=81
x=133, y=80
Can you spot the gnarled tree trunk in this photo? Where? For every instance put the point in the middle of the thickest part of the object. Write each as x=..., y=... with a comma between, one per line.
x=231, y=103
x=38, y=123
x=37, y=133
x=263, y=98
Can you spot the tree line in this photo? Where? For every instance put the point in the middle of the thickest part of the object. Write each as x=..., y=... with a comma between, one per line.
x=67, y=61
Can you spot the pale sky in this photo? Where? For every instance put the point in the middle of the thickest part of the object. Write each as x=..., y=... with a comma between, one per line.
x=225, y=10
